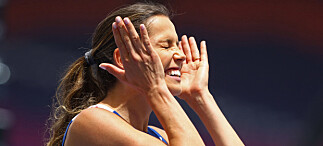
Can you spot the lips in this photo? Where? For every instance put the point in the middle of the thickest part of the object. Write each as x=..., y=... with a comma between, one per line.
x=174, y=72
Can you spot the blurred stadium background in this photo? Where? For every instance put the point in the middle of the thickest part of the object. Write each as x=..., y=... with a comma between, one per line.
x=265, y=58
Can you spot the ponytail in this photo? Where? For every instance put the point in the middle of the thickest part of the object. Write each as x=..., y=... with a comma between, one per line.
x=85, y=84
x=78, y=90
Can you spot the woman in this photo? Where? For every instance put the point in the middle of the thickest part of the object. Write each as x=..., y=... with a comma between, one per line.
x=142, y=67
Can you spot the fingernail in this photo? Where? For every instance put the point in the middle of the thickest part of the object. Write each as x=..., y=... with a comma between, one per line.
x=102, y=67
x=142, y=26
x=118, y=19
x=126, y=20
x=114, y=25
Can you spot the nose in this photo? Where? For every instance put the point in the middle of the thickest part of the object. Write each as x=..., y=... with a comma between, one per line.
x=179, y=55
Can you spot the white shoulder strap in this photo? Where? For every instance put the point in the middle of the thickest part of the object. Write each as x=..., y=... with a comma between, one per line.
x=102, y=106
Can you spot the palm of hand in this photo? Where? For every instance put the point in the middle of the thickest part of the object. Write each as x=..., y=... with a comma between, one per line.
x=195, y=70
x=194, y=78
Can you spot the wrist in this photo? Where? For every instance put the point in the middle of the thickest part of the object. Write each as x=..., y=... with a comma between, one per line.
x=200, y=101
x=159, y=94
x=197, y=96
x=157, y=86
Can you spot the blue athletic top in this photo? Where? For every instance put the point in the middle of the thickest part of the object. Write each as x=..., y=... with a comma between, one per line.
x=151, y=131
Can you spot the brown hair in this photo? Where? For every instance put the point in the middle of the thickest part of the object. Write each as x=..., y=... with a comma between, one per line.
x=84, y=85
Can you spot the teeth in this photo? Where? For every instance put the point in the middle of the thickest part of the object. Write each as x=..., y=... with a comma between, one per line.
x=174, y=73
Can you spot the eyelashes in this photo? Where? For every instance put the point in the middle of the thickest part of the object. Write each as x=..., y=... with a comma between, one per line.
x=169, y=44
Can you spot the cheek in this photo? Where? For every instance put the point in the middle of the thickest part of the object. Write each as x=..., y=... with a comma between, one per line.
x=165, y=59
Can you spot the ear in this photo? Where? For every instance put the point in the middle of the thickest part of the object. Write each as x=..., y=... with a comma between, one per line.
x=116, y=68
x=117, y=58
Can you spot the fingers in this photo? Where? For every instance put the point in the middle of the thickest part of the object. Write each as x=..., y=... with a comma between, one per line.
x=204, y=56
x=125, y=37
x=135, y=47
x=119, y=42
x=114, y=70
x=135, y=39
x=191, y=51
x=194, y=49
x=145, y=39
x=186, y=49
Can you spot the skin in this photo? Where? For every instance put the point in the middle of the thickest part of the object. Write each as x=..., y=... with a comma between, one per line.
x=142, y=65
x=164, y=40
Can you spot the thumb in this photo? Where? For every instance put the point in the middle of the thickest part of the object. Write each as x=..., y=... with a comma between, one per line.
x=114, y=70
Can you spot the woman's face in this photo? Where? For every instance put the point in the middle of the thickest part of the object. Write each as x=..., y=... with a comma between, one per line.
x=164, y=40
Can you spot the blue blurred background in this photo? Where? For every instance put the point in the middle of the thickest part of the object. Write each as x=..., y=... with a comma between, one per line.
x=265, y=59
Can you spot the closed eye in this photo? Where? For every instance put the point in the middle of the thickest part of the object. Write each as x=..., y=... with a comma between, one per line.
x=167, y=44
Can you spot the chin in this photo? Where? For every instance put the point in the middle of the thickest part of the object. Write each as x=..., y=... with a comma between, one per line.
x=174, y=86
x=177, y=90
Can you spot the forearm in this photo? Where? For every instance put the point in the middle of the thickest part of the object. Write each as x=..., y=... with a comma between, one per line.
x=219, y=128
x=177, y=125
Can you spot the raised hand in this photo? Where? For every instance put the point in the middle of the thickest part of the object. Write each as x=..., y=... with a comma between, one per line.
x=140, y=65
x=195, y=70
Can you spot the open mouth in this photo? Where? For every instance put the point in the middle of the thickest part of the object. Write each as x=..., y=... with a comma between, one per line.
x=174, y=73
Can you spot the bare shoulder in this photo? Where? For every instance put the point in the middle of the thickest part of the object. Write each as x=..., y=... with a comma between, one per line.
x=161, y=132
x=91, y=125
x=95, y=126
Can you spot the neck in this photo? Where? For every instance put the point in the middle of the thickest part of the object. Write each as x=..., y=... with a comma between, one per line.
x=131, y=105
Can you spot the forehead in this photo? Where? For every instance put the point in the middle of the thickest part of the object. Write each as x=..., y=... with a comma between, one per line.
x=160, y=27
